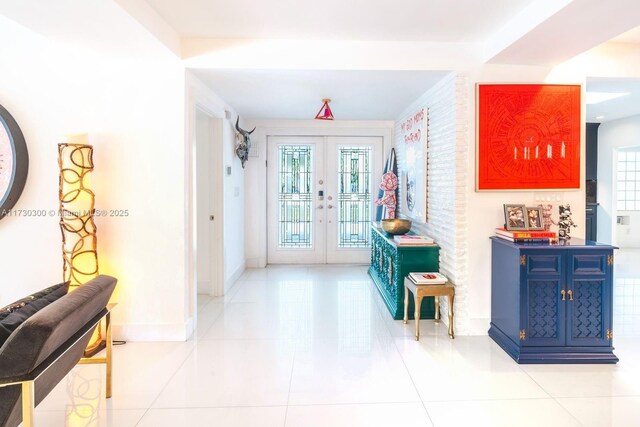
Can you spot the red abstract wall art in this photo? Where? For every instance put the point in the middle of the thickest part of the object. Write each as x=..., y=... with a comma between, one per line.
x=528, y=136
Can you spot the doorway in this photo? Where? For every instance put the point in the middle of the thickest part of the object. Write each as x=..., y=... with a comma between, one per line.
x=207, y=215
x=320, y=198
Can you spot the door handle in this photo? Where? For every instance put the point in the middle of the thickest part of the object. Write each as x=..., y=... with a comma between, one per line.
x=570, y=295
x=564, y=295
x=320, y=206
x=330, y=207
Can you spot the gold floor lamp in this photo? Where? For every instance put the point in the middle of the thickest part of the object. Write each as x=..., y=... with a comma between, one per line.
x=77, y=206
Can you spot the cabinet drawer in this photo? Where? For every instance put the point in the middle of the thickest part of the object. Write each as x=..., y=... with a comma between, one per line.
x=543, y=263
x=589, y=263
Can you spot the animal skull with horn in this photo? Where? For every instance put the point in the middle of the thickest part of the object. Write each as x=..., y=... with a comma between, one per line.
x=244, y=143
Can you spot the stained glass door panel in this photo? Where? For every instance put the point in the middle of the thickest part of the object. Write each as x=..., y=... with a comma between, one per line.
x=295, y=213
x=352, y=164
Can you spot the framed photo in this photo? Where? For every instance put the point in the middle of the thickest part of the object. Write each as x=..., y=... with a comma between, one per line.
x=528, y=137
x=534, y=218
x=515, y=217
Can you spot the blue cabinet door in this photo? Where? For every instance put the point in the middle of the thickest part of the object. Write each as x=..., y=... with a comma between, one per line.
x=542, y=309
x=589, y=314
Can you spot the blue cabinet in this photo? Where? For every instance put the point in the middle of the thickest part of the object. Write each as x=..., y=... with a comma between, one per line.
x=552, y=304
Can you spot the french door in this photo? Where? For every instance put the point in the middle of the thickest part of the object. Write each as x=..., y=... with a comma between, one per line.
x=320, y=201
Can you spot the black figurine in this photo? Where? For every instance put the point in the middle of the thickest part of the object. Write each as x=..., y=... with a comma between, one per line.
x=565, y=223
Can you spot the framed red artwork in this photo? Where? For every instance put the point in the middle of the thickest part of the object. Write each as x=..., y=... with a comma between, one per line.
x=528, y=137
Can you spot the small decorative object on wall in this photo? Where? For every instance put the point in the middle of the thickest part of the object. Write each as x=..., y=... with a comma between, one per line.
x=414, y=134
x=388, y=194
x=244, y=143
x=325, y=112
x=77, y=208
x=14, y=162
x=565, y=223
x=547, y=217
x=528, y=136
x=534, y=218
x=515, y=217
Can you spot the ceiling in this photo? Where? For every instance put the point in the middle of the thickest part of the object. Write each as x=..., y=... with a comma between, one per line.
x=264, y=57
x=424, y=20
x=618, y=108
x=632, y=36
x=298, y=94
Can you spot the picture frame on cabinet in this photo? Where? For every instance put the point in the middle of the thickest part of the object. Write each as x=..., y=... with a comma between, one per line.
x=515, y=217
x=534, y=218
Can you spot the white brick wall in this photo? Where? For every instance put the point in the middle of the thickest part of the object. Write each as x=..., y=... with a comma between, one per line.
x=447, y=156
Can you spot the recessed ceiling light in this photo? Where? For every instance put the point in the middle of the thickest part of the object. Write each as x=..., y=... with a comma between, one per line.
x=598, y=97
x=599, y=117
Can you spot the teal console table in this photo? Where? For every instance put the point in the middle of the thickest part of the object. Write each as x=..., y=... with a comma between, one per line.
x=391, y=263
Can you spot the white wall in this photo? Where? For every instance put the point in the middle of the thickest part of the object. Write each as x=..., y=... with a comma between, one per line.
x=487, y=206
x=612, y=136
x=228, y=211
x=446, y=158
x=628, y=233
x=234, y=206
x=460, y=219
x=133, y=110
x=256, y=179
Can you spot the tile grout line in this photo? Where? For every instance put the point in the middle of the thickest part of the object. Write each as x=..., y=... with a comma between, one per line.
x=567, y=411
x=549, y=394
x=167, y=383
x=293, y=364
x=404, y=363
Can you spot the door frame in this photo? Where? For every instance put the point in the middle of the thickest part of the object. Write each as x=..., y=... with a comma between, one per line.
x=257, y=244
x=198, y=100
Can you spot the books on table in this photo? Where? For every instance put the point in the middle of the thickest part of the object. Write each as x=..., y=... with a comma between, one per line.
x=413, y=240
x=530, y=236
x=428, y=278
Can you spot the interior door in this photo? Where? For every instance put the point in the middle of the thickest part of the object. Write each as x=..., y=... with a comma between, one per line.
x=351, y=190
x=295, y=214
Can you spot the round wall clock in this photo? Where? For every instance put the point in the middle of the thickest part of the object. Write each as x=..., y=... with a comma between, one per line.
x=14, y=162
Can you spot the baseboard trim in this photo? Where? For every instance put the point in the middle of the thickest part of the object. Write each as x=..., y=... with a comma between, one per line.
x=139, y=332
x=256, y=262
x=234, y=277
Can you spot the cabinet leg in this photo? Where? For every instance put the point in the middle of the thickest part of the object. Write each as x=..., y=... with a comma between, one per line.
x=437, y=305
x=418, y=300
x=450, y=301
x=406, y=305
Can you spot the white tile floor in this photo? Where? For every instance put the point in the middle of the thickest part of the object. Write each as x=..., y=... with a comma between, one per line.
x=315, y=346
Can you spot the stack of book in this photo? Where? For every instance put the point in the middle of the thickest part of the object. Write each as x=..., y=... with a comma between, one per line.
x=529, y=236
x=405, y=240
x=429, y=278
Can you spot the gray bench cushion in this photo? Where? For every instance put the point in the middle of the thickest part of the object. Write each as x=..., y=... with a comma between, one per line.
x=42, y=334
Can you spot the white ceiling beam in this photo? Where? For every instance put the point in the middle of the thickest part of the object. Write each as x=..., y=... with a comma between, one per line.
x=153, y=22
x=327, y=54
x=100, y=27
x=572, y=28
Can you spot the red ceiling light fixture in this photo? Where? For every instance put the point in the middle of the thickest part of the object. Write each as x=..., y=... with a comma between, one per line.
x=325, y=111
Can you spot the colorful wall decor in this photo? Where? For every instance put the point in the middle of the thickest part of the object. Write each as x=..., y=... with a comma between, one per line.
x=413, y=131
x=528, y=136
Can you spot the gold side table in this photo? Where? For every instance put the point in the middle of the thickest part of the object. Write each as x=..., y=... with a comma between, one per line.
x=421, y=291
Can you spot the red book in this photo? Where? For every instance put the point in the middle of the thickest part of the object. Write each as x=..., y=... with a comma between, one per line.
x=525, y=234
